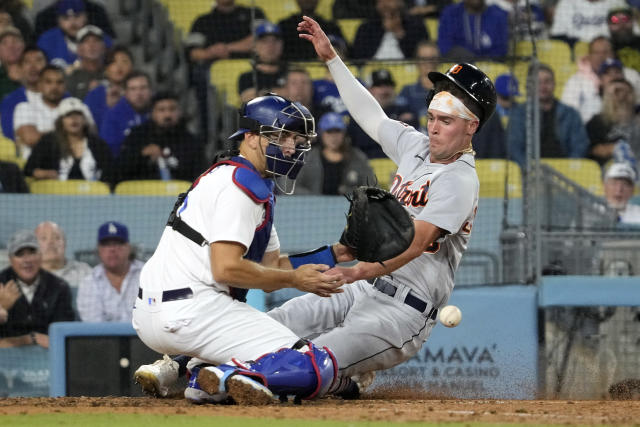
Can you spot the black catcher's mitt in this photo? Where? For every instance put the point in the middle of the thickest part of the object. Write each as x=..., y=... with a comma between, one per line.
x=378, y=227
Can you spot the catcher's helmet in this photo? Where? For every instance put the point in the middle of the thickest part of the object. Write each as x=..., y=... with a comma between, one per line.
x=275, y=118
x=474, y=83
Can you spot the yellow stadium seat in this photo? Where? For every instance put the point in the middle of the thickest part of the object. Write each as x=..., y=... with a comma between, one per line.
x=403, y=73
x=492, y=174
x=349, y=28
x=548, y=50
x=8, y=152
x=384, y=169
x=432, y=26
x=325, y=9
x=492, y=69
x=152, y=187
x=584, y=172
x=224, y=76
x=77, y=187
x=182, y=13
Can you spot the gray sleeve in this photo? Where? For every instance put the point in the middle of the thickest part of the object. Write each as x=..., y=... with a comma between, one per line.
x=398, y=139
x=451, y=198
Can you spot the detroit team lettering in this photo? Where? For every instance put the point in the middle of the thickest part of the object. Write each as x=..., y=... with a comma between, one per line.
x=406, y=195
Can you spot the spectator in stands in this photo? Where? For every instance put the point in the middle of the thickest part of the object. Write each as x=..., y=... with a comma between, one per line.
x=582, y=20
x=523, y=24
x=490, y=141
x=470, y=30
x=383, y=90
x=333, y=166
x=619, y=184
x=506, y=91
x=72, y=150
x=60, y=43
x=295, y=48
x=33, y=297
x=583, y=89
x=162, y=148
x=11, y=48
x=354, y=9
x=109, y=292
x=426, y=8
x=53, y=244
x=12, y=179
x=393, y=34
x=36, y=117
x=47, y=18
x=225, y=32
x=118, y=65
x=298, y=87
x=15, y=15
x=626, y=44
x=32, y=63
x=87, y=72
x=269, y=70
x=414, y=95
x=562, y=133
x=617, y=122
x=131, y=110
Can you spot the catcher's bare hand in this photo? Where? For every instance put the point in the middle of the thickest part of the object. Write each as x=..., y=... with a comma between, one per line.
x=349, y=274
x=310, y=30
x=312, y=278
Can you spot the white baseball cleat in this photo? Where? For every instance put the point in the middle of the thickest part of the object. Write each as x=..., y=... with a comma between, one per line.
x=243, y=390
x=158, y=378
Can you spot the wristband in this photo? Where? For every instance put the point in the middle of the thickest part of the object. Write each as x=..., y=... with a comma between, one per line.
x=322, y=255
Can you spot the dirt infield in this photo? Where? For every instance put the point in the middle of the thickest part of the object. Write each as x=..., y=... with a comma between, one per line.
x=371, y=408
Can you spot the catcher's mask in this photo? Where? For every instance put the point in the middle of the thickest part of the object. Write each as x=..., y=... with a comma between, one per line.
x=289, y=127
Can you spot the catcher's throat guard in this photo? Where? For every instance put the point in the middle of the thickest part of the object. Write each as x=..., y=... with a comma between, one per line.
x=378, y=226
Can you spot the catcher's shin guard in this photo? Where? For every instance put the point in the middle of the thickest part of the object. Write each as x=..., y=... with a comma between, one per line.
x=306, y=373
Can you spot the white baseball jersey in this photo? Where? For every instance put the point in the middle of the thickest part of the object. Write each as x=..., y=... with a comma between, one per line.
x=365, y=328
x=210, y=326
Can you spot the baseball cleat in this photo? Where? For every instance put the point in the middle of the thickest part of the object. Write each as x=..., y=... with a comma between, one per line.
x=243, y=390
x=194, y=394
x=156, y=379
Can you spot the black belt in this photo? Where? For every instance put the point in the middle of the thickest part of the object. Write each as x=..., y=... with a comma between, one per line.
x=173, y=295
x=411, y=300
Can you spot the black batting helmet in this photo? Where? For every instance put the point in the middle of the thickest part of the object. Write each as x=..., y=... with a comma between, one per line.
x=474, y=83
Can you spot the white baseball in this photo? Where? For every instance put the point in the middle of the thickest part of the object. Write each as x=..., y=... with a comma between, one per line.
x=450, y=316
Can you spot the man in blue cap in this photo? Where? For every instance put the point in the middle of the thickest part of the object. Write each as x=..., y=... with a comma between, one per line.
x=59, y=43
x=109, y=292
x=506, y=89
x=270, y=71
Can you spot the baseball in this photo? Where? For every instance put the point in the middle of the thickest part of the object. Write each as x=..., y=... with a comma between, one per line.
x=450, y=316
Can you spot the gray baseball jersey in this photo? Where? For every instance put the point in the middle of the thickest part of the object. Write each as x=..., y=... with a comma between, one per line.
x=369, y=330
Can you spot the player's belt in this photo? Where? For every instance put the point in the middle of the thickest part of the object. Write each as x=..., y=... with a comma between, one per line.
x=411, y=300
x=173, y=295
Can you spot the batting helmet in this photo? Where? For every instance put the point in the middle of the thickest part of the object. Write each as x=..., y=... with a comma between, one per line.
x=275, y=118
x=474, y=83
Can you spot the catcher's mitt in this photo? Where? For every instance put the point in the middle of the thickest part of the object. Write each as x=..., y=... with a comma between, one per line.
x=378, y=227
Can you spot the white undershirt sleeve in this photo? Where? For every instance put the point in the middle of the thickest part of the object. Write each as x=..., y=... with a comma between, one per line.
x=362, y=106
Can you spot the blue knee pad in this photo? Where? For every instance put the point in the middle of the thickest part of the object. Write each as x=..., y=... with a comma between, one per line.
x=289, y=372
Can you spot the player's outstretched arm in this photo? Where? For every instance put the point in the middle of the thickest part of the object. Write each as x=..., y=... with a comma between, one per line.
x=362, y=106
x=425, y=235
x=229, y=267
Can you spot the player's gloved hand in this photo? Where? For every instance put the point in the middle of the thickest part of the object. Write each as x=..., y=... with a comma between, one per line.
x=378, y=226
x=312, y=278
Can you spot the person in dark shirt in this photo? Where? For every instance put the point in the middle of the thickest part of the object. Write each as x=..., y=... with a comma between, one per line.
x=269, y=72
x=225, y=32
x=626, y=44
x=32, y=297
x=47, y=18
x=393, y=34
x=12, y=179
x=295, y=48
x=162, y=148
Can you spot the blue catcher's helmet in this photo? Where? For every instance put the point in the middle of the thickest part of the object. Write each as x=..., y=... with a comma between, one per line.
x=279, y=119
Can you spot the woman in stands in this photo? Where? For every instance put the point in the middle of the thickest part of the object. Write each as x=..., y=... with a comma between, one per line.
x=616, y=125
x=72, y=150
x=333, y=166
